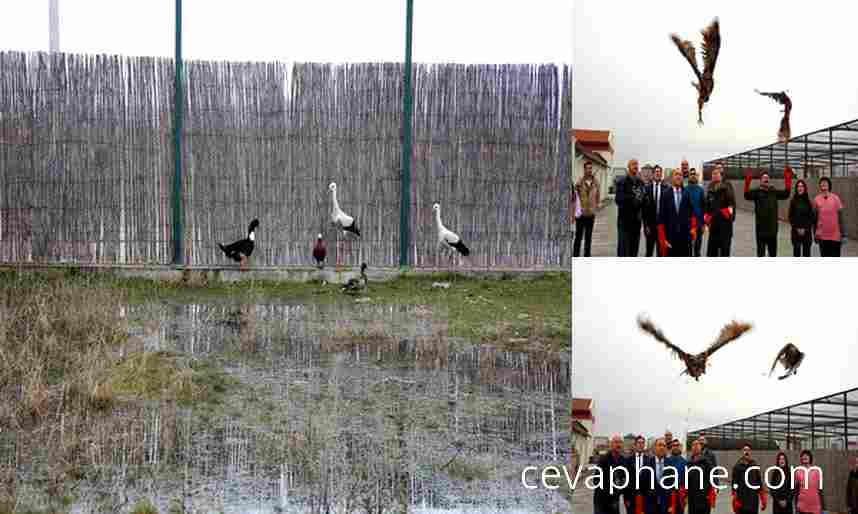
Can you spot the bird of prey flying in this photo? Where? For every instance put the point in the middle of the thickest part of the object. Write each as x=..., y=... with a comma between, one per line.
x=783, y=99
x=695, y=365
x=711, y=46
x=790, y=358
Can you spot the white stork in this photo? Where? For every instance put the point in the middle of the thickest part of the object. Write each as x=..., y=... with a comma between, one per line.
x=448, y=239
x=340, y=219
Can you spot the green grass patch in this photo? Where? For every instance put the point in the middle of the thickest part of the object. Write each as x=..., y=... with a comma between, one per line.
x=515, y=313
x=460, y=469
x=144, y=507
x=169, y=376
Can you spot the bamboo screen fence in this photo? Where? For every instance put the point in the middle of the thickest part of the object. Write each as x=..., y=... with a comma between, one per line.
x=87, y=155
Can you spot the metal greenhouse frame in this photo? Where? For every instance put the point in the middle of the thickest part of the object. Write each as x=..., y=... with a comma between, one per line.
x=831, y=151
x=827, y=422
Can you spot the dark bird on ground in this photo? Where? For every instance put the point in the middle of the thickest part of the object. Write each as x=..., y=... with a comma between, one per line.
x=242, y=249
x=356, y=284
x=319, y=252
x=783, y=99
x=695, y=365
x=790, y=358
x=711, y=46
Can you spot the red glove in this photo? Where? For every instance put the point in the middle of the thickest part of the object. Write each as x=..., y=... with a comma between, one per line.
x=706, y=219
x=639, y=504
x=748, y=180
x=763, y=497
x=736, y=503
x=683, y=497
x=727, y=212
x=713, y=495
x=662, y=240
x=693, y=228
x=788, y=179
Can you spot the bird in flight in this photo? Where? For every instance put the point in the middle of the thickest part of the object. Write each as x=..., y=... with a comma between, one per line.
x=711, y=46
x=783, y=99
x=790, y=358
x=695, y=365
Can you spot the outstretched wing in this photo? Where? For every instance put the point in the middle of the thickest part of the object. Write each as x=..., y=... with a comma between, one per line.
x=686, y=48
x=729, y=333
x=779, y=357
x=647, y=326
x=711, y=46
x=780, y=98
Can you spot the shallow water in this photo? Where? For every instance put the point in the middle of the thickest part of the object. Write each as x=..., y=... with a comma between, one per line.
x=339, y=407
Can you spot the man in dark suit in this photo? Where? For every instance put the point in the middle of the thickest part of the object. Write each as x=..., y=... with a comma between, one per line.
x=677, y=225
x=661, y=496
x=606, y=499
x=639, y=495
x=655, y=191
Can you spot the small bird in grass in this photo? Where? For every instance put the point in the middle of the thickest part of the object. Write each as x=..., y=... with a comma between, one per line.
x=356, y=284
x=242, y=249
x=340, y=219
x=790, y=358
x=695, y=365
x=711, y=46
x=784, y=133
x=447, y=238
x=319, y=252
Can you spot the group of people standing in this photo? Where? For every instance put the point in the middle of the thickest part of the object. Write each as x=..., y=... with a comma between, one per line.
x=695, y=488
x=674, y=213
x=647, y=495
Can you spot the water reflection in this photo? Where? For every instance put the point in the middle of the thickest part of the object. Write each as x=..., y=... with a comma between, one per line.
x=341, y=408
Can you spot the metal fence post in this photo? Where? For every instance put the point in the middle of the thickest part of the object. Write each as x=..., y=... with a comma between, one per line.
x=407, y=110
x=178, y=240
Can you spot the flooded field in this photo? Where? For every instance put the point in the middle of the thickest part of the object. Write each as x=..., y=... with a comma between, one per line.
x=269, y=405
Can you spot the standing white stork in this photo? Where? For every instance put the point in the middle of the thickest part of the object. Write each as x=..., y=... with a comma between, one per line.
x=340, y=219
x=447, y=238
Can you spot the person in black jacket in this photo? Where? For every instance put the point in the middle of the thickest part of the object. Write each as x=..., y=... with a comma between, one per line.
x=852, y=488
x=606, y=500
x=783, y=496
x=749, y=497
x=631, y=199
x=802, y=218
x=765, y=200
x=699, y=491
x=719, y=213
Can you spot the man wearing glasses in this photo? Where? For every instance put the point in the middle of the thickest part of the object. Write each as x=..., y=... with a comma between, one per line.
x=696, y=193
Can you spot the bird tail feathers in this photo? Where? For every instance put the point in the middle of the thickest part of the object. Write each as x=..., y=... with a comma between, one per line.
x=460, y=246
x=353, y=228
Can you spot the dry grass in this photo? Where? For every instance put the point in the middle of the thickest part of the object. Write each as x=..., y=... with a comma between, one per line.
x=59, y=341
x=61, y=354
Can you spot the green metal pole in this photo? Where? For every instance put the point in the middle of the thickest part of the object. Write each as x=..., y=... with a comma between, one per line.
x=407, y=111
x=178, y=239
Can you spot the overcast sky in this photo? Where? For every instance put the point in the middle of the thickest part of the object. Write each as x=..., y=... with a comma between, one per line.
x=636, y=382
x=475, y=31
x=630, y=78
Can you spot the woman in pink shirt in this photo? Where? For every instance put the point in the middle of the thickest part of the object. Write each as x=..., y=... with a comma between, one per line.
x=830, y=228
x=808, y=486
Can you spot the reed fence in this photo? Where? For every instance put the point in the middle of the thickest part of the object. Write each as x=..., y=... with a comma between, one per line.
x=87, y=160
